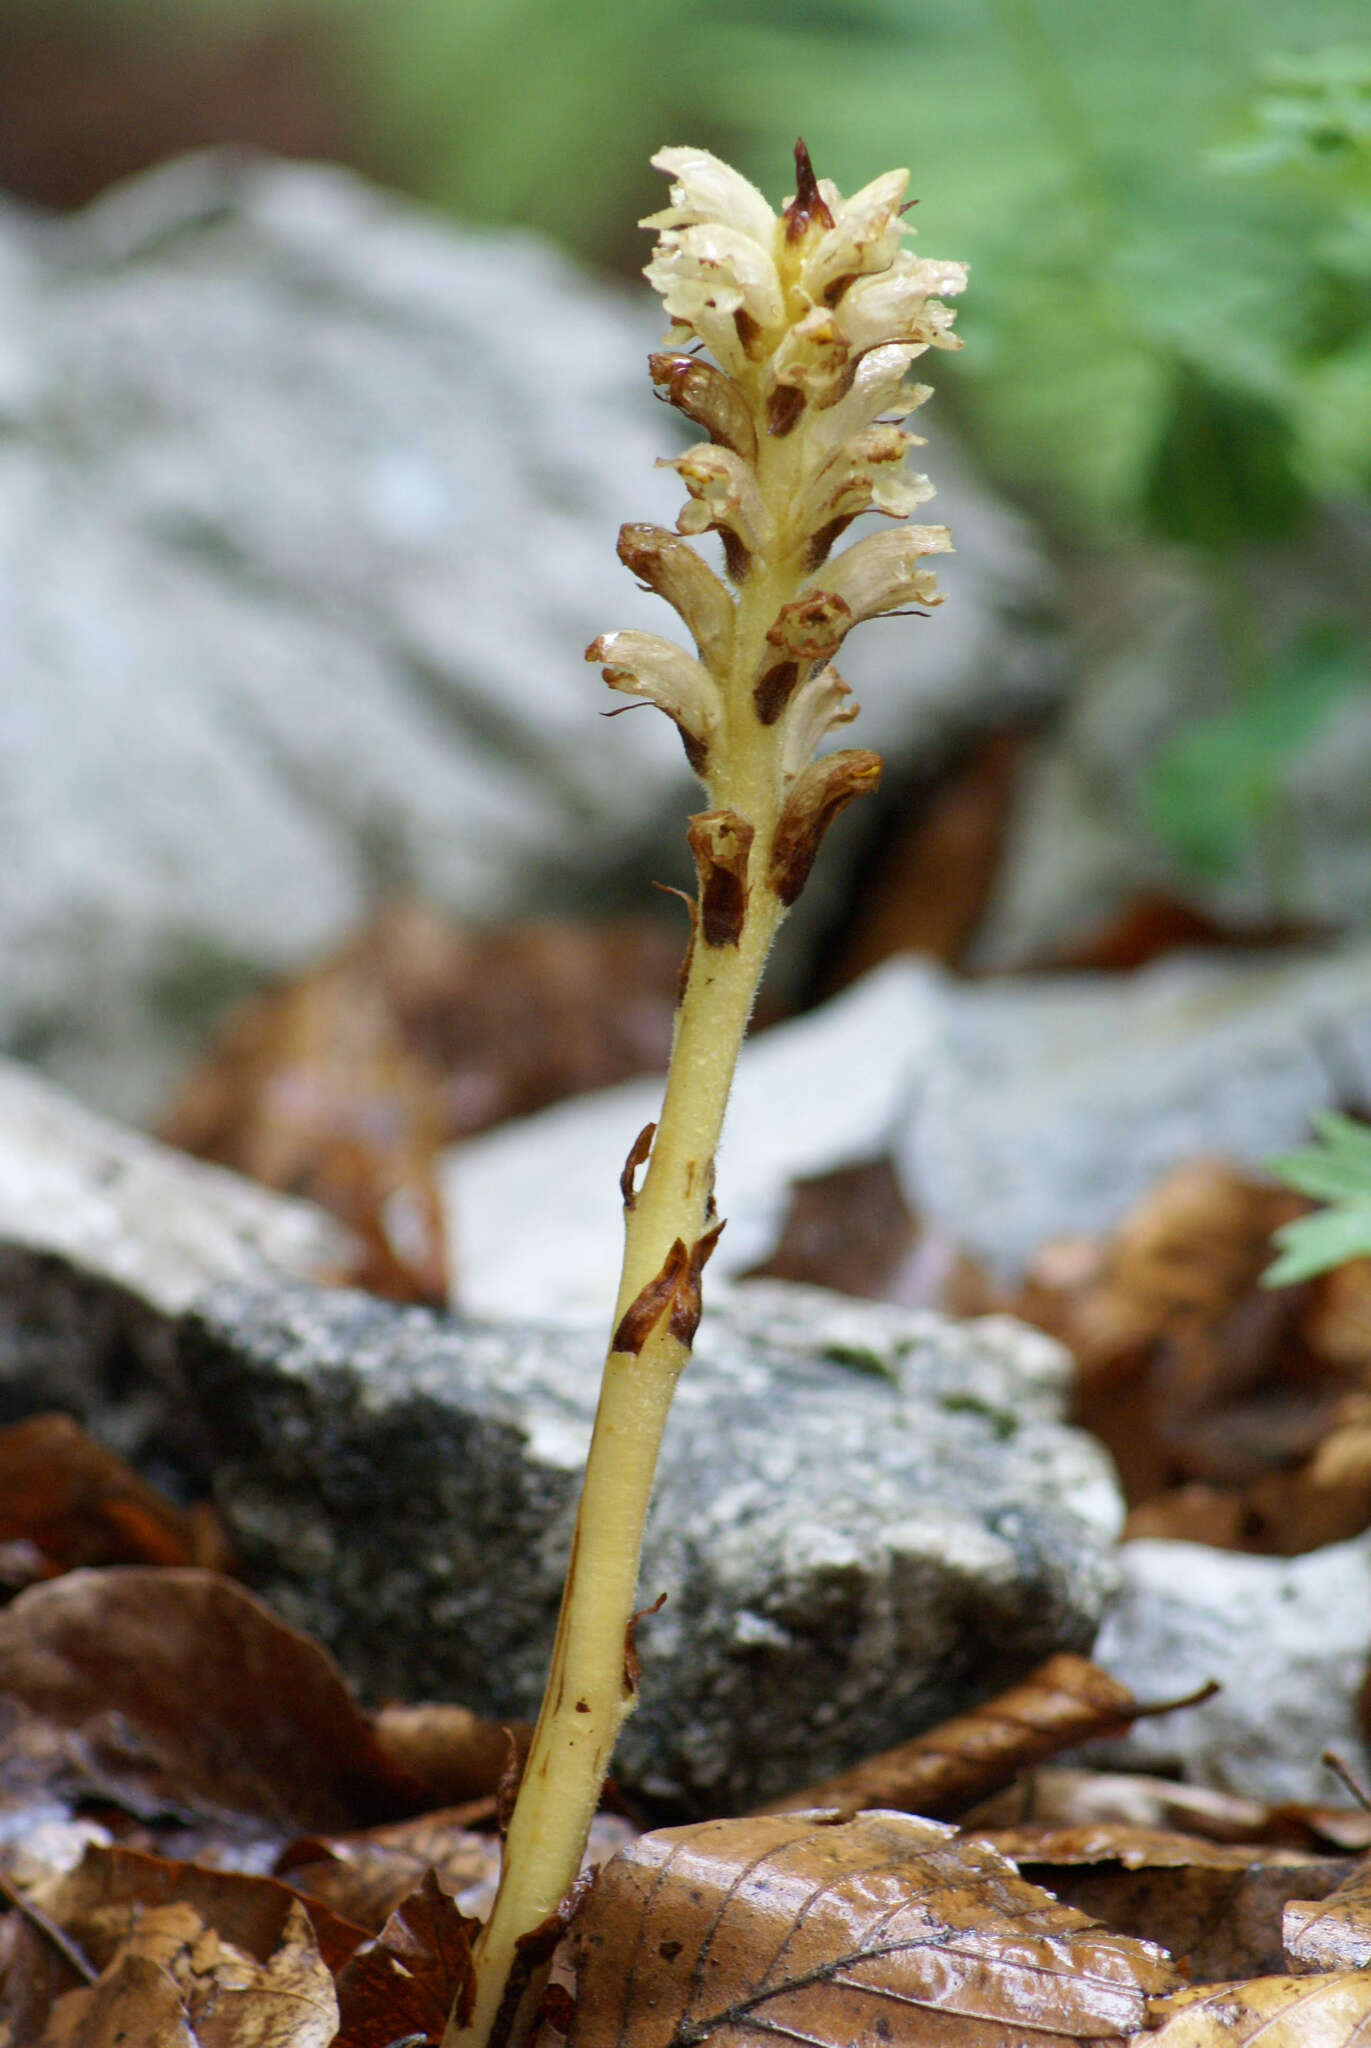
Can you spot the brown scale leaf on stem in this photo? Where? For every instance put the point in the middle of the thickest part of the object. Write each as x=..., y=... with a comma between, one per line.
x=721, y=843
x=674, y=1290
x=824, y=789
x=637, y=1153
x=633, y=1669
x=650, y=1304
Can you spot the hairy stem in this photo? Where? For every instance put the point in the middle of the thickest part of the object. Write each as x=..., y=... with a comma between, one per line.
x=591, y=1687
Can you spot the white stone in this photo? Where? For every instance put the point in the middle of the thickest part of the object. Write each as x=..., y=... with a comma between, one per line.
x=1288, y=1639
x=1017, y=1111
x=534, y=1205
x=122, y=1208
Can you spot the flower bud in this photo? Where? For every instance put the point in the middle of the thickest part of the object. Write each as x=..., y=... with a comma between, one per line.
x=668, y=565
x=642, y=665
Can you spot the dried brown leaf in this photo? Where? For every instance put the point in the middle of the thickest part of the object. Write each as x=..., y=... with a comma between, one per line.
x=366, y=1875
x=1148, y=927
x=80, y=1505
x=1338, y=1321
x=100, y=1903
x=852, y=1230
x=1232, y=1411
x=187, y=1692
x=227, y=1997
x=454, y=1754
x=1215, y=1907
x=1066, y=1701
x=1279, y=2012
x=314, y=1090
x=407, y=1980
x=521, y=1016
x=1332, y=1932
x=925, y=881
x=34, y=1974
x=1058, y=1797
x=344, y=1084
x=134, y=2002
x=886, y=1928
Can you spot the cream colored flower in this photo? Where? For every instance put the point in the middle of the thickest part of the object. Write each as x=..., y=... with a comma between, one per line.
x=812, y=318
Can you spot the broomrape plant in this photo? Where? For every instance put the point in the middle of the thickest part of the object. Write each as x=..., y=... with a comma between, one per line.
x=790, y=343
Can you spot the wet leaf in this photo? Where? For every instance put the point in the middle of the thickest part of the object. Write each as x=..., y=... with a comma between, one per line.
x=1215, y=1907
x=885, y=1928
x=1059, y=1797
x=78, y=1504
x=406, y=1981
x=1066, y=1701
x=185, y=1692
x=1332, y=1931
x=1279, y=2012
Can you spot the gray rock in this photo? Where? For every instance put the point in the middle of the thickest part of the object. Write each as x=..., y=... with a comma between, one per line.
x=1151, y=664
x=1288, y=1639
x=1057, y=1103
x=1018, y=1111
x=307, y=512
x=106, y=1239
x=864, y=1518
x=123, y=1208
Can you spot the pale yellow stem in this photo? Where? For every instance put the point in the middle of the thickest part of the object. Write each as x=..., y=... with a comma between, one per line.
x=588, y=1695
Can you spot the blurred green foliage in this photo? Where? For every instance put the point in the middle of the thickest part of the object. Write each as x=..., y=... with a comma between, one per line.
x=1138, y=286
x=1218, y=788
x=1167, y=209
